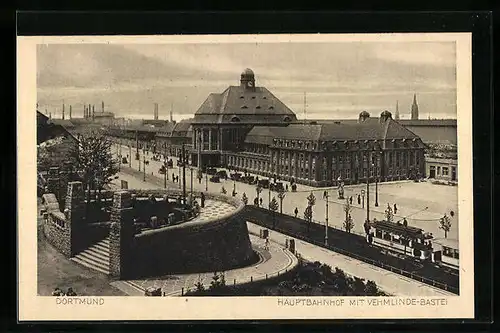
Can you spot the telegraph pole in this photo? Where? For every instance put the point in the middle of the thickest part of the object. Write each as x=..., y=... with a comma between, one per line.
x=326, y=218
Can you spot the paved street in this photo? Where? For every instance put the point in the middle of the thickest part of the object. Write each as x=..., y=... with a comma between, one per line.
x=389, y=282
x=272, y=260
x=411, y=199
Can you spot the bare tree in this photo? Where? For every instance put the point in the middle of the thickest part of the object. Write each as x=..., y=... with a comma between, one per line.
x=258, y=189
x=389, y=215
x=94, y=162
x=281, y=196
x=348, y=222
x=445, y=224
x=244, y=198
x=273, y=206
x=308, y=213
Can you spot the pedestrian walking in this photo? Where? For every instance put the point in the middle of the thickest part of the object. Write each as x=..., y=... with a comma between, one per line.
x=202, y=199
x=173, y=177
x=261, y=201
x=286, y=187
x=296, y=211
x=350, y=199
x=395, y=209
x=359, y=199
x=267, y=243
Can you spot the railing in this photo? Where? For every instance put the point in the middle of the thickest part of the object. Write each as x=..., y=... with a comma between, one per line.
x=380, y=264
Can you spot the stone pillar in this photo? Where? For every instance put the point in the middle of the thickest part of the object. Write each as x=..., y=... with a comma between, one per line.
x=75, y=208
x=121, y=236
x=209, y=139
x=193, y=141
x=202, y=133
x=219, y=138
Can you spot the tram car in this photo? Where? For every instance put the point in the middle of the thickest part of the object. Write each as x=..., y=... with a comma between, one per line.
x=402, y=239
x=448, y=249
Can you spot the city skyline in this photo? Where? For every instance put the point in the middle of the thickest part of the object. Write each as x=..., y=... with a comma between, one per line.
x=342, y=80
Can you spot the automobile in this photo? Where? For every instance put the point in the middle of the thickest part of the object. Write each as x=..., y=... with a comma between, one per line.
x=249, y=180
x=124, y=160
x=162, y=170
x=236, y=176
x=152, y=291
x=222, y=174
x=277, y=186
x=264, y=183
x=211, y=171
x=215, y=179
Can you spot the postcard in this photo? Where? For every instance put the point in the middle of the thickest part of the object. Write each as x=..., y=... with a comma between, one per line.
x=203, y=177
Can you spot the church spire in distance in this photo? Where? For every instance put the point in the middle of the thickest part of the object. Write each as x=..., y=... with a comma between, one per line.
x=397, y=110
x=414, y=108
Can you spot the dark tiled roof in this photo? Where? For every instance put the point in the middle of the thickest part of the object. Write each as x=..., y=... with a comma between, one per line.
x=404, y=122
x=258, y=106
x=370, y=129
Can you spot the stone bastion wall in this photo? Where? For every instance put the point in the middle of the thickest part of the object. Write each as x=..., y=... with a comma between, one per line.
x=212, y=245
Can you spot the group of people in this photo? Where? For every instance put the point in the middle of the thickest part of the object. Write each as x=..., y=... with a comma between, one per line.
x=175, y=178
x=58, y=292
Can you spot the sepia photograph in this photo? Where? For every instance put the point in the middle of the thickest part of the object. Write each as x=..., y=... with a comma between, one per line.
x=292, y=173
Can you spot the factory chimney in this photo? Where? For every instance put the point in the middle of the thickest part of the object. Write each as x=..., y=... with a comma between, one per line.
x=63, y=112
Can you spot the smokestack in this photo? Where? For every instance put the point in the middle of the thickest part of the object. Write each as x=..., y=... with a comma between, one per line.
x=102, y=106
x=171, y=112
x=70, y=109
x=63, y=112
x=50, y=115
x=93, y=112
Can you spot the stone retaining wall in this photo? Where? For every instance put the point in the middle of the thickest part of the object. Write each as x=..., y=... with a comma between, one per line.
x=203, y=246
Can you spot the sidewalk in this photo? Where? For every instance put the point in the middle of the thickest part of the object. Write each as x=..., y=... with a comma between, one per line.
x=391, y=283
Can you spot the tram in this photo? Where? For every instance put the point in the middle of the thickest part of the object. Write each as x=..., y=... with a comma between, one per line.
x=448, y=251
x=401, y=238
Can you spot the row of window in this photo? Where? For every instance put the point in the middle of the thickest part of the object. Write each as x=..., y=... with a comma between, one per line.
x=444, y=171
x=451, y=253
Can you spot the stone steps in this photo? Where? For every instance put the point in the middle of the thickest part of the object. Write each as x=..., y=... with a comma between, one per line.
x=95, y=257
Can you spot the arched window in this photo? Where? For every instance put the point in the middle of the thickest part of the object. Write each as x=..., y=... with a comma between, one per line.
x=235, y=119
x=286, y=119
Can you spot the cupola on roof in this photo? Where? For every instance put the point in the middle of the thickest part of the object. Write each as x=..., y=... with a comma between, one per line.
x=248, y=71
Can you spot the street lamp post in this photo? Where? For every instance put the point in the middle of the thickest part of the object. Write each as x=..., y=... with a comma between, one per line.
x=206, y=181
x=183, y=156
x=143, y=165
x=326, y=218
x=368, y=197
x=376, y=186
x=165, y=174
x=191, y=170
x=129, y=155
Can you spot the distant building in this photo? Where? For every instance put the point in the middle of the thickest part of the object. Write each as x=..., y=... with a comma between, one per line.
x=414, y=108
x=441, y=168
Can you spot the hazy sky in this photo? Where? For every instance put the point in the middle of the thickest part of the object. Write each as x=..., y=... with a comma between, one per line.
x=340, y=79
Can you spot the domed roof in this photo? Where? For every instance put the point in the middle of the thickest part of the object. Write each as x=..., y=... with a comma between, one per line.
x=364, y=114
x=247, y=71
x=386, y=114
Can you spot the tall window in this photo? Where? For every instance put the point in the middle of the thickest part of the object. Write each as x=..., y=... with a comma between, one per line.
x=397, y=159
